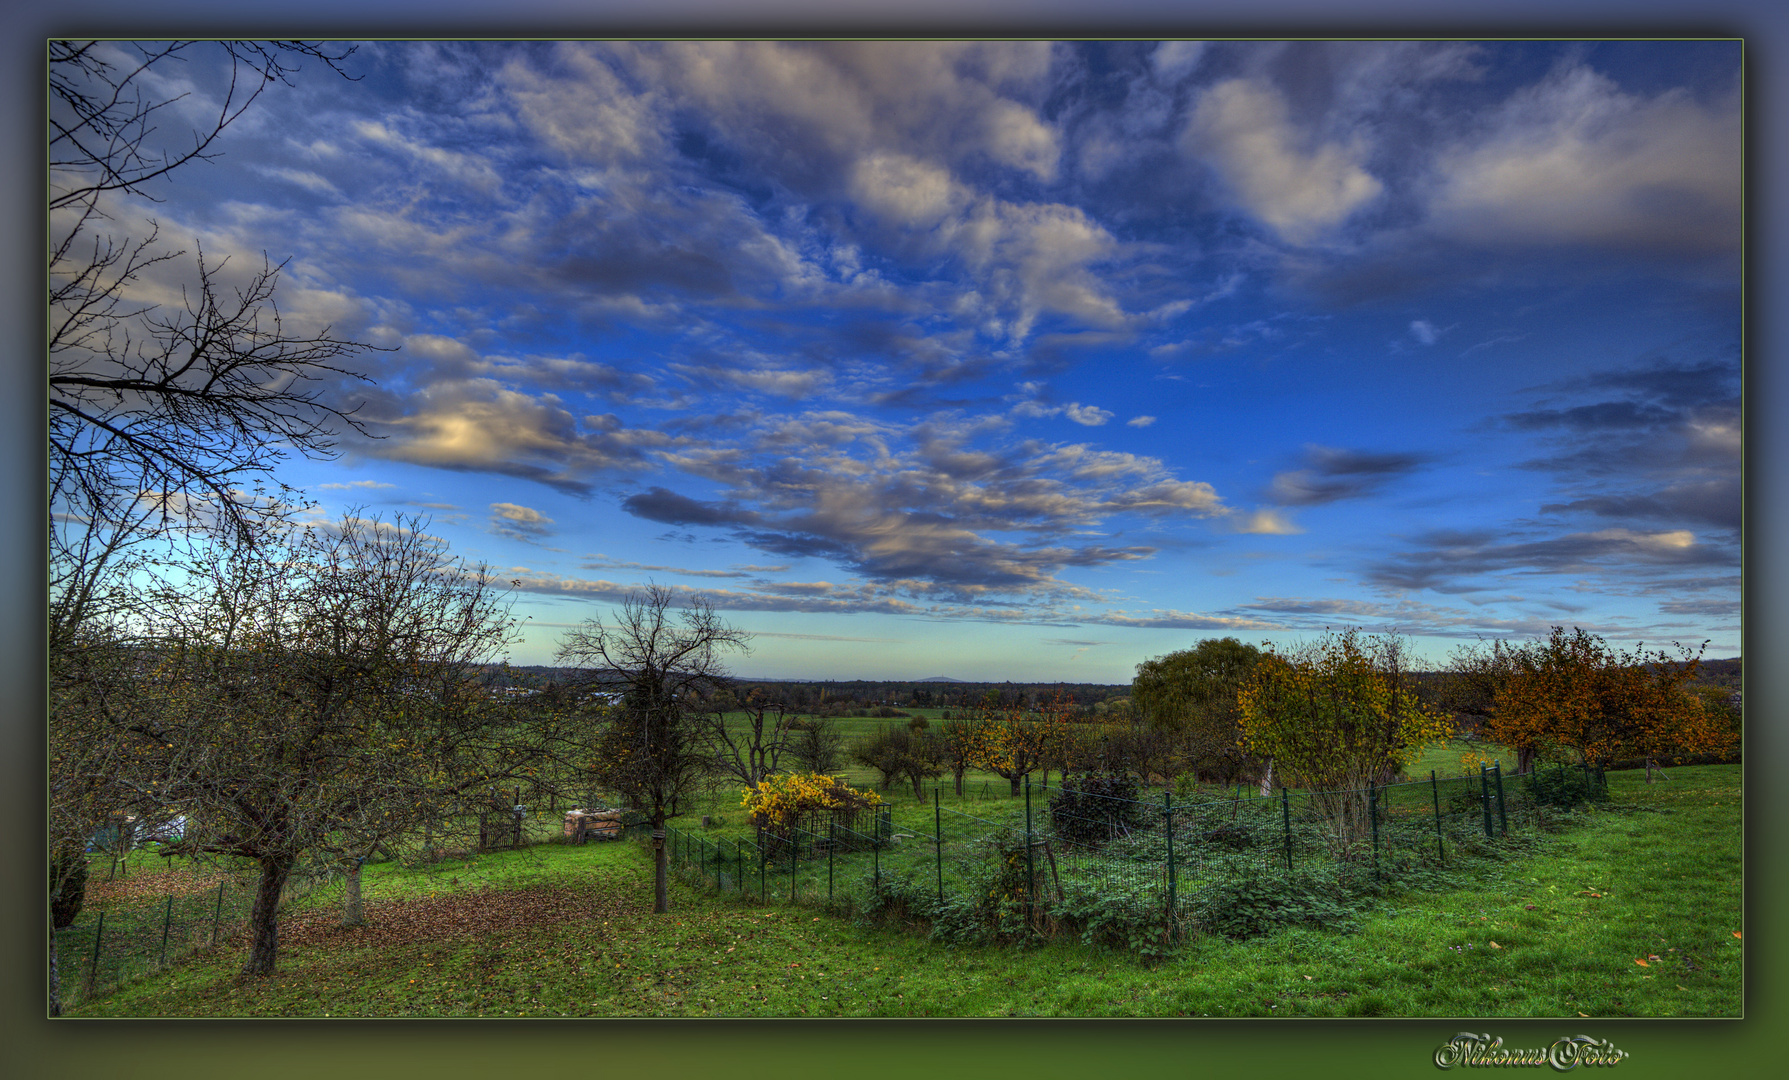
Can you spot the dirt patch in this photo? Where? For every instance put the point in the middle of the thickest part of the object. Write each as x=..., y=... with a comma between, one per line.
x=475, y=913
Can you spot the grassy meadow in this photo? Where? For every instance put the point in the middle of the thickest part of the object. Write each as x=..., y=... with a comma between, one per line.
x=1633, y=909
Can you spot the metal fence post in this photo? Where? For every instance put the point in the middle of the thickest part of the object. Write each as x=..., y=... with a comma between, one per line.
x=1484, y=797
x=1502, y=812
x=1373, y=815
x=794, y=859
x=1286, y=816
x=1030, y=863
x=218, y=912
x=1435, y=786
x=1168, y=827
x=99, y=932
x=763, y=887
x=832, y=844
x=938, y=837
x=167, y=920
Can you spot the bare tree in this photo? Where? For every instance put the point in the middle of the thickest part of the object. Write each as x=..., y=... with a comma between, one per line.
x=752, y=752
x=169, y=409
x=817, y=745
x=655, y=747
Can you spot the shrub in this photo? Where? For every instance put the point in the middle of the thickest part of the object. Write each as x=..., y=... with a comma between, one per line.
x=1565, y=787
x=1098, y=807
x=784, y=802
x=1232, y=836
x=1128, y=915
x=1250, y=904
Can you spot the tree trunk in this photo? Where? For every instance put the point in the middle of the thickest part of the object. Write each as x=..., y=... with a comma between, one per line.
x=264, y=919
x=1015, y=783
x=661, y=867
x=1267, y=781
x=1524, y=758
x=959, y=784
x=353, y=914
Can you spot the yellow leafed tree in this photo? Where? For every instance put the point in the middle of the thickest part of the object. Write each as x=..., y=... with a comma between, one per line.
x=1336, y=716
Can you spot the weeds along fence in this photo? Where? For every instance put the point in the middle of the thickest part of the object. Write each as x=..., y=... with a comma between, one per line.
x=1080, y=857
x=166, y=914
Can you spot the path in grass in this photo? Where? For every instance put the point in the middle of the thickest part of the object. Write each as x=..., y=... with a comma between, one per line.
x=1557, y=931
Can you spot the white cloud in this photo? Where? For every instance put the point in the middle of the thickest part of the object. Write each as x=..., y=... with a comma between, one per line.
x=1299, y=187
x=1424, y=331
x=353, y=484
x=1140, y=421
x=480, y=425
x=1087, y=415
x=1575, y=159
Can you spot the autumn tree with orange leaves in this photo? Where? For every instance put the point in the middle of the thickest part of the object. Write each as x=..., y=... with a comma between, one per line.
x=1575, y=693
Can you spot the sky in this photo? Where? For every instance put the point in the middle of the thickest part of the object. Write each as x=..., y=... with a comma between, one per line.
x=1021, y=360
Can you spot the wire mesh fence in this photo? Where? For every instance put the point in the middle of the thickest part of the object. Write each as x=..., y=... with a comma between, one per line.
x=1078, y=849
x=164, y=914
x=1071, y=850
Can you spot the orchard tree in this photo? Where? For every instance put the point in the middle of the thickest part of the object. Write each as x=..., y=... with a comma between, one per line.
x=158, y=416
x=1062, y=743
x=816, y=745
x=655, y=748
x=956, y=743
x=902, y=753
x=1337, y=715
x=1574, y=692
x=751, y=752
x=306, y=701
x=1005, y=742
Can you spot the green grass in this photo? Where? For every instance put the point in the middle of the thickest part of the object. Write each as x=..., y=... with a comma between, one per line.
x=564, y=931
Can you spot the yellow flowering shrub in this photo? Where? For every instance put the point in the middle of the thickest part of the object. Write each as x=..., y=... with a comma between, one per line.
x=783, y=801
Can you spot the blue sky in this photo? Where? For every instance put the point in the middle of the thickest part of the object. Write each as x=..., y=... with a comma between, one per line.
x=1025, y=360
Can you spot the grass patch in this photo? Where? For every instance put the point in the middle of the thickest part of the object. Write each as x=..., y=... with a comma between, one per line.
x=1550, y=925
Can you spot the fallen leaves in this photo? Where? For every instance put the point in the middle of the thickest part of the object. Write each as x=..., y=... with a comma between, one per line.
x=481, y=914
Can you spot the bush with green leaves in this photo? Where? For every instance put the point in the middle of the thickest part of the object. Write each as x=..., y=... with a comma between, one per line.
x=1099, y=807
x=1248, y=904
x=1124, y=912
x=1565, y=787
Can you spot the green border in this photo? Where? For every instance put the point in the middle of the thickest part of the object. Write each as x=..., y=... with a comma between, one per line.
x=37, y=1047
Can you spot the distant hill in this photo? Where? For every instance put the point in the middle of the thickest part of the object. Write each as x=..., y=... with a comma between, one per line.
x=940, y=678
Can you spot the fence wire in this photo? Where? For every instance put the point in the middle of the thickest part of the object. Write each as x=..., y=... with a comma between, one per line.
x=167, y=914
x=1068, y=846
